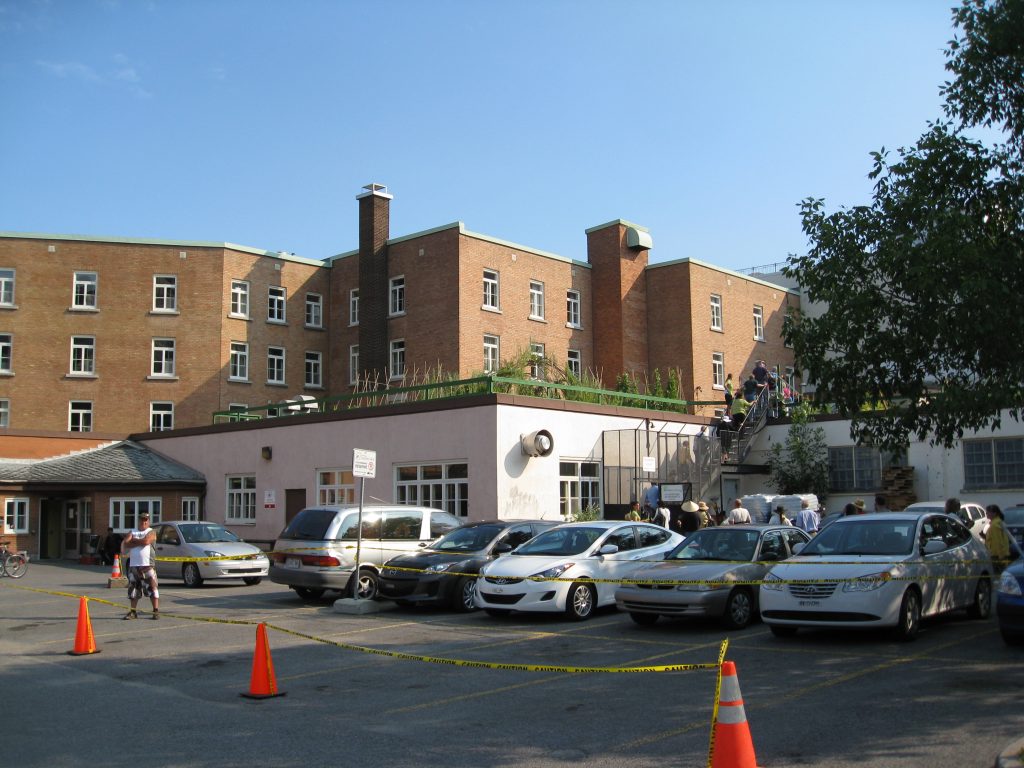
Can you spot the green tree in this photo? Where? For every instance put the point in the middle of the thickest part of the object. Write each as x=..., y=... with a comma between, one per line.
x=801, y=464
x=922, y=286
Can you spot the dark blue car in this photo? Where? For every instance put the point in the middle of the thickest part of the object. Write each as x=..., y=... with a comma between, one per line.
x=1010, y=603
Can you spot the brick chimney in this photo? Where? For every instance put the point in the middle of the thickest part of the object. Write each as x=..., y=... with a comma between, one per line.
x=374, y=230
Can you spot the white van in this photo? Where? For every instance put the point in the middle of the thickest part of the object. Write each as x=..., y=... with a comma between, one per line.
x=317, y=550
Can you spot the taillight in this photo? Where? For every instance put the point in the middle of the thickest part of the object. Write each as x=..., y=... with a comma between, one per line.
x=321, y=561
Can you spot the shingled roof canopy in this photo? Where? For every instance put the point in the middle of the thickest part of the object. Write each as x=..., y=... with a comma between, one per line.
x=121, y=463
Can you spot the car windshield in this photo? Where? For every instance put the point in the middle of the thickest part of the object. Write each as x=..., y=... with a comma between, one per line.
x=717, y=544
x=561, y=541
x=202, y=533
x=1014, y=516
x=470, y=539
x=864, y=537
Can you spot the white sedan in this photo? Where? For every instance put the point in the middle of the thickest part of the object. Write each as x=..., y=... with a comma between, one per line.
x=572, y=568
x=884, y=570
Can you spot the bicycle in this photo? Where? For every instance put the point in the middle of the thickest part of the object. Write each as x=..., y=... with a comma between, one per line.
x=13, y=564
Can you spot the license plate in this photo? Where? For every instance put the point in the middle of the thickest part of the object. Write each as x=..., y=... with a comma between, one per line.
x=293, y=562
x=809, y=603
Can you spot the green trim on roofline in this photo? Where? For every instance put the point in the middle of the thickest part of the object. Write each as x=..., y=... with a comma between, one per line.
x=615, y=222
x=725, y=271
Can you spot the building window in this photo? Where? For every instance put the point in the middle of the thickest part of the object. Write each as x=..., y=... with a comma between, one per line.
x=491, y=294
x=190, y=508
x=537, y=360
x=241, y=498
x=716, y=312
x=758, y=324
x=165, y=293
x=239, y=366
x=397, y=293
x=994, y=463
x=441, y=486
x=277, y=302
x=572, y=309
x=163, y=357
x=353, y=364
x=84, y=290
x=397, y=359
x=491, y=353
x=859, y=468
x=574, y=364
x=239, y=298
x=7, y=287
x=6, y=352
x=161, y=417
x=335, y=486
x=536, y=300
x=16, y=516
x=80, y=416
x=314, y=369
x=718, y=370
x=83, y=355
x=125, y=512
x=275, y=365
x=5, y=413
x=314, y=310
x=579, y=484
x=353, y=307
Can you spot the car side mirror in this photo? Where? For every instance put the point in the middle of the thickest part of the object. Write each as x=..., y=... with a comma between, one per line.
x=501, y=548
x=608, y=549
x=798, y=548
x=769, y=557
x=933, y=547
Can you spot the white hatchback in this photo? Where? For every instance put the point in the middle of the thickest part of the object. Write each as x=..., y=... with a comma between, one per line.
x=572, y=568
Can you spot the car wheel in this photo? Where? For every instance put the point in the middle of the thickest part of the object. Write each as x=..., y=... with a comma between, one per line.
x=782, y=630
x=910, y=616
x=308, y=593
x=498, y=613
x=464, y=596
x=366, y=586
x=738, y=609
x=644, y=619
x=1012, y=638
x=580, y=602
x=252, y=581
x=190, y=573
x=982, y=605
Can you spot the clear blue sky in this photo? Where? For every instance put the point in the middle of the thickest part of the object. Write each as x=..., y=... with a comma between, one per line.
x=258, y=122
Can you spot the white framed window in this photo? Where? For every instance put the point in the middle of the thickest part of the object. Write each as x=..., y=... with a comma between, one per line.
x=16, y=516
x=6, y=287
x=277, y=303
x=353, y=307
x=440, y=485
x=398, y=358
x=163, y=358
x=238, y=369
x=126, y=511
x=84, y=290
x=574, y=363
x=80, y=416
x=718, y=370
x=314, y=310
x=758, y=323
x=83, y=355
x=491, y=353
x=353, y=364
x=165, y=293
x=716, y=312
x=536, y=300
x=335, y=486
x=492, y=293
x=314, y=369
x=275, y=365
x=537, y=360
x=579, y=484
x=240, y=299
x=241, y=499
x=994, y=463
x=161, y=416
x=5, y=412
x=396, y=304
x=190, y=508
x=573, y=317
x=6, y=352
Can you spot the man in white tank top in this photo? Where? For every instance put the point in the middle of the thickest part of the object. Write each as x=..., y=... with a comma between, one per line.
x=139, y=544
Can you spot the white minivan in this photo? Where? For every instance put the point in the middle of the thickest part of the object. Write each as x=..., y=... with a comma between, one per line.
x=317, y=550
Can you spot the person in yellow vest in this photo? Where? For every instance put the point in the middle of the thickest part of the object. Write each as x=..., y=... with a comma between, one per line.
x=997, y=539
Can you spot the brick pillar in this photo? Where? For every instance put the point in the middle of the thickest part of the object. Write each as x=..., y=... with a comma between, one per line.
x=617, y=252
x=374, y=230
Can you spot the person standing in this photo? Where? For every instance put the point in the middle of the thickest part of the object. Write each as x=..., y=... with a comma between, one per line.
x=663, y=516
x=634, y=512
x=729, y=394
x=139, y=543
x=690, y=518
x=652, y=497
x=779, y=517
x=112, y=546
x=750, y=389
x=997, y=538
x=737, y=515
x=807, y=519
x=881, y=505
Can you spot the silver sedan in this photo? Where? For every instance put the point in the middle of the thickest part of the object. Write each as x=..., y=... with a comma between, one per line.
x=192, y=550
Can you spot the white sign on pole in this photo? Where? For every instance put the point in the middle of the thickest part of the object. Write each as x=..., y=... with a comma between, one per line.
x=650, y=464
x=364, y=463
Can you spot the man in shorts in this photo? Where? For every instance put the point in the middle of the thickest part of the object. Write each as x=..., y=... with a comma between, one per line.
x=139, y=546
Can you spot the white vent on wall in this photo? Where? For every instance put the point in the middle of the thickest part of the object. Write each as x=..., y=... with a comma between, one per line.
x=51, y=248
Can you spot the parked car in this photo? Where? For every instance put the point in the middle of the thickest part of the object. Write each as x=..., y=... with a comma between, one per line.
x=423, y=577
x=1010, y=603
x=971, y=514
x=317, y=550
x=179, y=541
x=1014, y=521
x=879, y=571
x=576, y=554
x=719, y=564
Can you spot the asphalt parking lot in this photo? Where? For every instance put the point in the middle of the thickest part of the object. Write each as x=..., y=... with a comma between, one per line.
x=163, y=693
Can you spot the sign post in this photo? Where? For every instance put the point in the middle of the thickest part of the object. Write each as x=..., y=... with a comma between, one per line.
x=364, y=465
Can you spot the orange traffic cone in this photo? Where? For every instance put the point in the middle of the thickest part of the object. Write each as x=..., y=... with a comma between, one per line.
x=731, y=745
x=116, y=572
x=263, y=684
x=85, y=643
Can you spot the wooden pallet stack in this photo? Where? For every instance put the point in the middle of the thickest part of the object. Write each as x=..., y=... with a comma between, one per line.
x=898, y=487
